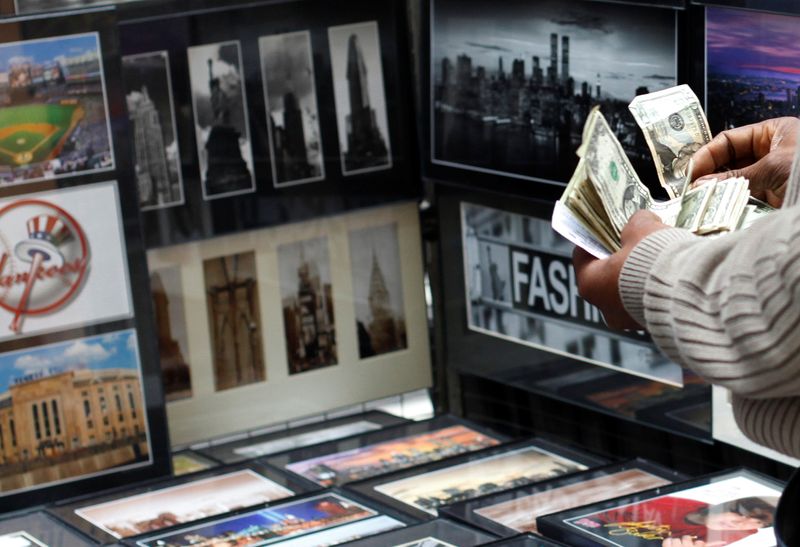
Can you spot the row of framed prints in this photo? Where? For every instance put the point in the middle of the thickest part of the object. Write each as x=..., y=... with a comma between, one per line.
x=246, y=322
x=441, y=482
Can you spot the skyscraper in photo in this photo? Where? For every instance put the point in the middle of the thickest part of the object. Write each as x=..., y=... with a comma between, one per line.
x=366, y=146
x=291, y=154
x=386, y=330
x=152, y=171
x=564, y=59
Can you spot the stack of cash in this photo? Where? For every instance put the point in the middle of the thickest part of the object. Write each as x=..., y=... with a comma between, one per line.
x=605, y=191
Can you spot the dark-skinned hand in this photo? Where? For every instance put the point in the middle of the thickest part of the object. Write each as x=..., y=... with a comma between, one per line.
x=761, y=152
x=598, y=280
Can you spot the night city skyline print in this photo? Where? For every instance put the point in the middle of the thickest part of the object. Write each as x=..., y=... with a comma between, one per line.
x=360, y=98
x=148, y=94
x=752, y=69
x=287, y=69
x=221, y=120
x=512, y=83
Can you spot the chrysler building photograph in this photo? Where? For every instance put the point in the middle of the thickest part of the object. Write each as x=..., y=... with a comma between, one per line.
x=360, y=98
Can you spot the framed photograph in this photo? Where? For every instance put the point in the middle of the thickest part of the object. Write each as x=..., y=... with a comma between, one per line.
x=515, y=511
x=166, y=287
x=748, y=84
x=295, y=139
x=360, y=98
x=378, y=288
x=77, y=253
x=132, y=513
x=222, y=125
x=436, y=533
x=36, y=6
x=293, y=438
x=381, y=452
x=148, y=93
x=730, y=508
x=289, y=301
x=421, y=491
x=307, y=298
x=517, y=282
x=510, y=91
x=234, y=320
x=297, y=521
x=187, y=462
x=38, y=530
x=55, y=120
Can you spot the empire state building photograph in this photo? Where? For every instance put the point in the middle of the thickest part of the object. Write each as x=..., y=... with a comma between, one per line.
x=360, y=98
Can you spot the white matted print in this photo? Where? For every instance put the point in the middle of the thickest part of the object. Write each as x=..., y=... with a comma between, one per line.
x=54, y=119
x=377, y=290
x=148, y=93
x=287, y=69
x=360, y=98
x=20, y=539
x=77, y=409
x=63, y=261
x=221, y=122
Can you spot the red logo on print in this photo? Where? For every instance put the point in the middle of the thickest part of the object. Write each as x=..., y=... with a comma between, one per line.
x=44, y=260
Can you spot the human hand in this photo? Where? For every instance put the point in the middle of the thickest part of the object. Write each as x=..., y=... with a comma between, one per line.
x=598, y=280
x=761, y=152
x=689, y=541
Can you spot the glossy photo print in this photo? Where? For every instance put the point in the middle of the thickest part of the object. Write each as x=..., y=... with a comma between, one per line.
x=735, y=511
x=183, y=503
x=307, y=297
x=378, y=290
x=71, y=410
x=148, y=94
x=269, y=525
x=520, y=287
x=513, y=83
x=287, y=69
x=173, y=346
x=429, y=491
x=222, y=123
x=360, y=98
x=54, y=119
x=752, y=72
x=234, y=320
x=380, y=458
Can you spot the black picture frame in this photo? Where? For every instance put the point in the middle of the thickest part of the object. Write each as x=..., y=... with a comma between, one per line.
x=172, y=30
x=45, y=529
x=67, y=511
x=556, y=526
x=380, y=512
x=330, y=450
x=112, y=174
x=467, y=511
x=548, y=187
x=442, y=530
x=526, y=540
x=230, y=452
x=557, y=460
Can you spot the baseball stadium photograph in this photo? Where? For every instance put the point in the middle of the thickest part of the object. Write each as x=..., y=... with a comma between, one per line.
x=53, y=110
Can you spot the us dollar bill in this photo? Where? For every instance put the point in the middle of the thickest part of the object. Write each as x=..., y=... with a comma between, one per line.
x=611, y=173
x=675, y=127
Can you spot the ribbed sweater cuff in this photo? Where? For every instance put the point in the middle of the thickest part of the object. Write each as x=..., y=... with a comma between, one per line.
x=637, y=268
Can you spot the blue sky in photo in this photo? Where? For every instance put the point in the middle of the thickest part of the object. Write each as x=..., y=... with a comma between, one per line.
x=45, y=51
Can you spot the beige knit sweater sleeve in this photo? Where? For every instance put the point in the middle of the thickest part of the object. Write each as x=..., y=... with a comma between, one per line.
x=729, y=309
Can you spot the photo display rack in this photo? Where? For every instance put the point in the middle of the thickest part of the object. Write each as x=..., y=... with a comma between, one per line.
x=82, y=405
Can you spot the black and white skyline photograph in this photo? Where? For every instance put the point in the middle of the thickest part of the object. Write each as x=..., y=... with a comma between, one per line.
x=360, y=98
x=287, y=70
x=307, y=297
x=378, y=290
x=221, y=120
x=148, y=93
x=512, y=83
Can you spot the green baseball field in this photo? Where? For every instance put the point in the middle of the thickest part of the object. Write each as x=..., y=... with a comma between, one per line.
x=36, y=132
